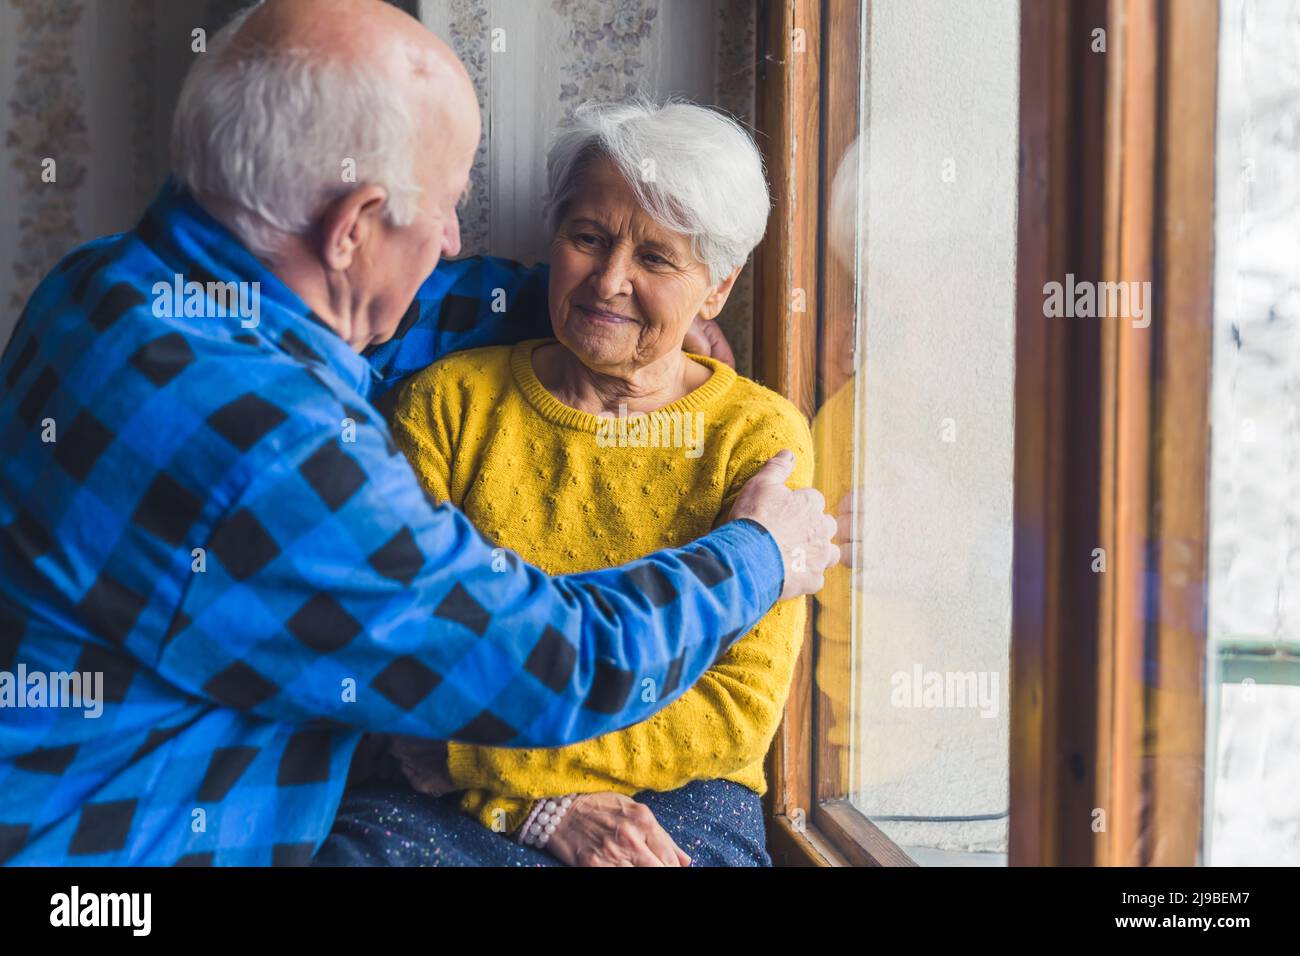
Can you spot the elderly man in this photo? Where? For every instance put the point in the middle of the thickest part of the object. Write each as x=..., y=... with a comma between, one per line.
x=203, y=513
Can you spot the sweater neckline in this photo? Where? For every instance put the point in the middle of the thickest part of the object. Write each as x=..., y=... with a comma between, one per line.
x=555, y=411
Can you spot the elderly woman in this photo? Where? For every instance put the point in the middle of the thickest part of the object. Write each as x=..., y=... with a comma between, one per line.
x=602, y=445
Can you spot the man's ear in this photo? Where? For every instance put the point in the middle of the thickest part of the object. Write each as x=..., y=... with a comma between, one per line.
x=717, y=298
x=347, y=223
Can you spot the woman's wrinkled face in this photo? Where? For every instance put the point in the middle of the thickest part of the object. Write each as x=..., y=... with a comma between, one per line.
x=623, y=289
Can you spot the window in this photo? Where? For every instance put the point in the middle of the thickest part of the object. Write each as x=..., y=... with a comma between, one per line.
x=1252, y=811
x=989, y=283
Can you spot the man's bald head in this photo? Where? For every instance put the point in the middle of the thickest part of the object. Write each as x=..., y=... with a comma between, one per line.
x=333, y=137
x=354, y=31
x=294, y=96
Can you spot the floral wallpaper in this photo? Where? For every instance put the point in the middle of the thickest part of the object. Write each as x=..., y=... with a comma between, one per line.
x=145, y=138
x=602, y=58
x=470, y=41
x=92, y=85
x=45, y=121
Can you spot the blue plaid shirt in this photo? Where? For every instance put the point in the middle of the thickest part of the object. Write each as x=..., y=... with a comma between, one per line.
x=209, y=513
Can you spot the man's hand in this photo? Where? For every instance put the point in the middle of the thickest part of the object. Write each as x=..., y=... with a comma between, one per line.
x=610, y=829
x=705, y=337
x=796, y=519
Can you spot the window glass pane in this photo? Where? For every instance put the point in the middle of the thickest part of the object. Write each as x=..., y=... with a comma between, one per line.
x=921, y=434
x=1253, y=739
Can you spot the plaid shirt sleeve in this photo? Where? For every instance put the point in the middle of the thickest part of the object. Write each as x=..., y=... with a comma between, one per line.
x=464, y=304
x=335, y=542
x=203, y=509
x=340, y=591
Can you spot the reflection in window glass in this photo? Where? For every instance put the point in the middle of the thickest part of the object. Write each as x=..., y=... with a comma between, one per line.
x=921, y=434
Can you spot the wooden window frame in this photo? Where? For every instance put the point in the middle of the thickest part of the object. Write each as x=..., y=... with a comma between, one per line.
x=1112, y=421
x=1112, y=435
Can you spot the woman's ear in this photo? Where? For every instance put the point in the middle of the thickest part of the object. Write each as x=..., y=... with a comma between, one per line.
x=717, y=298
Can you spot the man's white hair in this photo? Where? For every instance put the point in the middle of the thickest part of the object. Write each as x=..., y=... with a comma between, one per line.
x=695, y=171
x=270, y=133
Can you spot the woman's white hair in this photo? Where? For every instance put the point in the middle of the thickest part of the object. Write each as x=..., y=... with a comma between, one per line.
x=695, y=171
x=271, y=134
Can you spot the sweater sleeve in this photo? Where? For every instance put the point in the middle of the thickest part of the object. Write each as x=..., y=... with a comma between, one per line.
x=723, y=724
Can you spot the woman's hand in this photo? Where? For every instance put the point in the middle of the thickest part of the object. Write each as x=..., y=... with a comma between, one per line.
x=424, y=764
x=610, y=829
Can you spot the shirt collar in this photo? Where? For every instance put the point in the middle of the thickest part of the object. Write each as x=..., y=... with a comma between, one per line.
x=201, y=249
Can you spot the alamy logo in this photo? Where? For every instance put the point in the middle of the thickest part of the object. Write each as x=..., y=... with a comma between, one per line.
x=1098, y=300
x=652, y=430
x=945, y=689
x=53, y=689
x=103, y=909
x=215, y=300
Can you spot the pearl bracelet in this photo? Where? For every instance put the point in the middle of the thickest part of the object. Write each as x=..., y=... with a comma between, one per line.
x=546, y=816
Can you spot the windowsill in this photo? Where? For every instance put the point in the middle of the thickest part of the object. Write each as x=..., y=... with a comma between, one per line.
x=800, y=846
x=925, y=856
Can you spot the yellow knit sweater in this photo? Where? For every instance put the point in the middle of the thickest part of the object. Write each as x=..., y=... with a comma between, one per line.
x=570, y=491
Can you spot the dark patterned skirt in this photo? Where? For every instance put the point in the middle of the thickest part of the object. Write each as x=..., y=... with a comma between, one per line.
x=716, y=822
